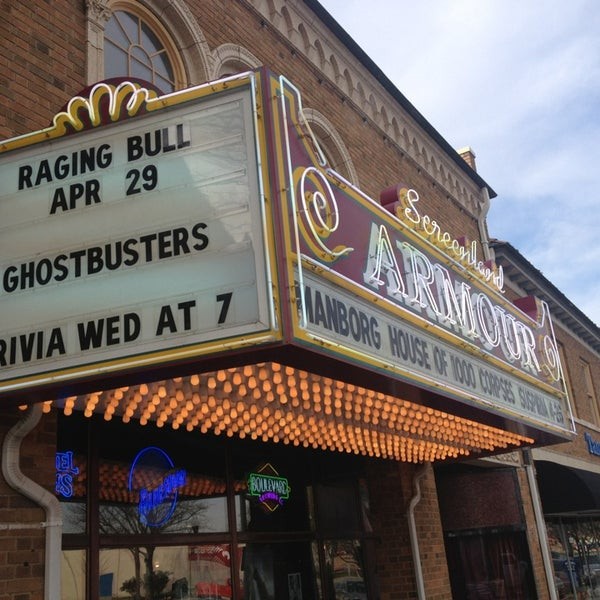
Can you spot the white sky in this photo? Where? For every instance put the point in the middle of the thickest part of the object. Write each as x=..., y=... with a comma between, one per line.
x=519, y=82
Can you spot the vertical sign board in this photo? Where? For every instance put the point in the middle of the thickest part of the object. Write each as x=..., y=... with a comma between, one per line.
x=391, y=290
x=136, y=242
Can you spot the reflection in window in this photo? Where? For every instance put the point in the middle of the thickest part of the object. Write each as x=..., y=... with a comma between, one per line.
x=575, y=547
x=490, y=564
x=275, y=571
x=132, y=49
x=71, y=479
x=344, y=576
x=72, y=574
x=175, y=572
x=196, y=504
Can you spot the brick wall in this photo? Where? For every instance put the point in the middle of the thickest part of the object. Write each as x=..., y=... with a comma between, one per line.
x=431, y=541
x=43, y=61
x=22, y=550
x=391, y=490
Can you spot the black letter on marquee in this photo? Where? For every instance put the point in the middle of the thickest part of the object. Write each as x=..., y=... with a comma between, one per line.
x=226, y=300
x=166, y=319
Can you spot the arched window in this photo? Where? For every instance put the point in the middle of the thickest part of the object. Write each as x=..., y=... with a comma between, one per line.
x=136, y=45
x=128, y=38
x=133, y=49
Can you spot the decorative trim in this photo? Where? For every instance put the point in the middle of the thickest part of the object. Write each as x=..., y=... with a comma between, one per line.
x=130, y=96
x=298, y=24
x=106, y=103
x=98, y=10
x=232, y=53
x=179, y=20
x=332, y=143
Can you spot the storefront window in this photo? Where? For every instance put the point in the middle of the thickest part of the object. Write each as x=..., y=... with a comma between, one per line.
x=278, y=571
x=73, y=569
x=490, y=564
x=344, y=576
x=158, y=488
x=175, y=572
x=171, y=514
x=575, y=547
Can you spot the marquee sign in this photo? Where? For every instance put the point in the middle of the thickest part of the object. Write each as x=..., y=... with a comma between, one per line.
x=386, y=286
x=139, y=240
x=149, y=237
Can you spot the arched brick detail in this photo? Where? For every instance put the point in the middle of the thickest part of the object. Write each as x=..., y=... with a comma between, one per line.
x=331, y=144
x=231, y=58
x=296, y=22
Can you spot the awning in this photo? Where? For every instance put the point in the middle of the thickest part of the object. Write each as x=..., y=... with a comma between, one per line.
x=567, y=489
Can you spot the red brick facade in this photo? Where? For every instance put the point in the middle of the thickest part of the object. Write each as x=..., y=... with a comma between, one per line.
x=44, y=54
x=22, y=550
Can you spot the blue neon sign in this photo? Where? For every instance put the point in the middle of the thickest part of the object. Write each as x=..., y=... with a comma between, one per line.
x=65, y=472
x=160, y=488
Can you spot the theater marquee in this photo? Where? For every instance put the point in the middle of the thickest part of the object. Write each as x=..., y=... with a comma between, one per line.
x=139, y=240
x=388, y=287
x=141, y=232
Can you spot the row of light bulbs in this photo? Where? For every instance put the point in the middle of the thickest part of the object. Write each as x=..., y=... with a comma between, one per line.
x=276, y=403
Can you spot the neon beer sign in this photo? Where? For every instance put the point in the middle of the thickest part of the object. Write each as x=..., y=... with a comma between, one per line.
x=154, y=477
x=270, y=489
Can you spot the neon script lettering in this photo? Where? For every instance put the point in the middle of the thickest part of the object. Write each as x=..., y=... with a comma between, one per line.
x=407, y=276
x=152, y=499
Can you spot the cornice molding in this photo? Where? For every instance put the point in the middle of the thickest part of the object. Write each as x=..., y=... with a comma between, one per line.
x=298, y=24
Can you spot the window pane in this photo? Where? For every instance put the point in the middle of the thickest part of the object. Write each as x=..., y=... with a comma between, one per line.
x=149, y=40
x=491, y=565
x=140, y=71
x=337, y=509
x=162, y=65
x=141, y=56
x=130, y=24
x=115, y=33
x=278, y=500
x=278, y=571
x=72, y=575
x=115, y=61
x=178, y=572
x=210, y=571
x=152, y=484
x=71, y=476
x=344, y=570
x=163, y=84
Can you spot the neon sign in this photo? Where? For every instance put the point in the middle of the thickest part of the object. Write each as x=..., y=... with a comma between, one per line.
x=385, y=285
x=270, y=489
x=402, y=202
x=65, y=470
x=154, y=477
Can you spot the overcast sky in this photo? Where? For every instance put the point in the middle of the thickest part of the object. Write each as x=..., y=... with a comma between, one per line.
x=519, y=82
